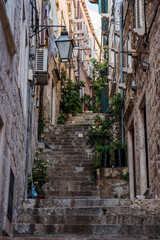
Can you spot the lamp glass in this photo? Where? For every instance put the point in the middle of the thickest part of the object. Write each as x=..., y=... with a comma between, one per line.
x=65, y=47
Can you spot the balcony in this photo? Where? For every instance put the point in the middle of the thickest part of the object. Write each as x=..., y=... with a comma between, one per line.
x=93, y=1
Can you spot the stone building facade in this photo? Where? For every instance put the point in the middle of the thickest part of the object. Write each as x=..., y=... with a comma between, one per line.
x=14, y=47
x=141, y=70
x=24, y=92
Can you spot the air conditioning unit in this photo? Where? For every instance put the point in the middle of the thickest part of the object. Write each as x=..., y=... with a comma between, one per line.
x=139, y=31
x=41, y=60
x=41, y=70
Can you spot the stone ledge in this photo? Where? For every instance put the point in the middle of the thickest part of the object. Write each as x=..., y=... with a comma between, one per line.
x=7, y=29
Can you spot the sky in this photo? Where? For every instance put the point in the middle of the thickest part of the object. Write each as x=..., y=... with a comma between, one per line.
x=91, y=6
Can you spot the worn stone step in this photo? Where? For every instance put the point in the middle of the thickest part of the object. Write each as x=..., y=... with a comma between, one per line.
x=85, y=166
x=70, y=202
x=70, y=173
x=68, y=178
x=87, y=211
x=83, y=219
x=110, y=230
x=69, y=159
x=71, y=193
x=73, y=187
x=68, y=237
x=72, y=183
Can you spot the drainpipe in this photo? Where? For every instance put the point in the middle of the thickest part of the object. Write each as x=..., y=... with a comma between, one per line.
x=28, y=141
x=121, y=71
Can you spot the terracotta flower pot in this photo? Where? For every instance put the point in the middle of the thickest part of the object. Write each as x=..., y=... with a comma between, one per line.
x=97, y=123
x=41, y=197
x=86, y=109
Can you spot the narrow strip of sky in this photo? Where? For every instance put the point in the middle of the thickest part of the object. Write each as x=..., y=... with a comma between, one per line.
x=91, y=6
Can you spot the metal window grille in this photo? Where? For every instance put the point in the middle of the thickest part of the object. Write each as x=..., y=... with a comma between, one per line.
x=10, y=197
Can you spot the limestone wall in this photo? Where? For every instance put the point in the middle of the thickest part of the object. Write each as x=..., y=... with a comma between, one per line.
x=13, y=107
x=147, y=94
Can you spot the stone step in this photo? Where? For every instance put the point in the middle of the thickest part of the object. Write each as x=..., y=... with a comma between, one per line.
x=85, y=166
x=68, y=178
x=87, y=211
x=110, y=230
x=68, y=158
x=68, y=237
x=71, y=193
x=83, y=219
x=70, y=202
x=70, y=173
x=69, y=169
x=72, y=183
x=71, y=187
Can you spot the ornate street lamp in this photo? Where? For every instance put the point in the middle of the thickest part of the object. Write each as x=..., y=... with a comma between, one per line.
x=65, y=47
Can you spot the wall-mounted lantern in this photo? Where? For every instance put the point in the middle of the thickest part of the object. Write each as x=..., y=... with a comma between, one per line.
x=65, y=47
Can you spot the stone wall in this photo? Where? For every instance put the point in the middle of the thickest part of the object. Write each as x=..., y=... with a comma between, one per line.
x=13, y=113
x=147, y=95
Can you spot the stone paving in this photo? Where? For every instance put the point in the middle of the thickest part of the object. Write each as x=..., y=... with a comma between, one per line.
x=73, y=208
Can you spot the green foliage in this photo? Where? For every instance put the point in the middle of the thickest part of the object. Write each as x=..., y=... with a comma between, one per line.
x=115, y=195
x=87, y=101
x=107, y=137
x=92, y=179
x=62, y=118
x=104, y=209
x=99, y=72
x=125, y=176
x=39, y=173
x=70, y=99
x=42, y=121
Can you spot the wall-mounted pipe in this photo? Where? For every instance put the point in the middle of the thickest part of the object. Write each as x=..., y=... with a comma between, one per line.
x=28, y=141
x=121, y=72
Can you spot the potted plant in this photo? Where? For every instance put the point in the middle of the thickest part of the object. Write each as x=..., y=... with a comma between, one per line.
x=87, y=102
x=39, y=175
x=97, y=120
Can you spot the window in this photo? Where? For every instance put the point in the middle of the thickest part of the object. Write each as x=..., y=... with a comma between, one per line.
x=10, y=197
x=103, y=6
x=127, y=59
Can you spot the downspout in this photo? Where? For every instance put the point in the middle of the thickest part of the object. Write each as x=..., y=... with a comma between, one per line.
x=28, y=141
x=121, y=72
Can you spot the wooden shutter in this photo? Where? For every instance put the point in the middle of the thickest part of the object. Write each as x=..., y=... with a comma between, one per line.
x=105, y=23
x=10, y=197
x=103, y=6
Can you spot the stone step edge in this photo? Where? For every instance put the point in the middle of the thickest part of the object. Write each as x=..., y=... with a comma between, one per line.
x=68, y=238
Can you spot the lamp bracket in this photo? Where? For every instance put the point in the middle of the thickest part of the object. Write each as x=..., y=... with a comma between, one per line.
x=44, y=27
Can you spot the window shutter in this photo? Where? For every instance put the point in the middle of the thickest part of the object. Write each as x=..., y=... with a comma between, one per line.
x=105, y=23
x=10, y=197
x=125, y=56
x=104, y=101
x=103, y=6
x=128, y=48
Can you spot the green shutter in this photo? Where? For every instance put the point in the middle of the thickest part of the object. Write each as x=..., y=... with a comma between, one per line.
x=104, y=101
x=99, y=6
x=103, y=6
x=105, y=24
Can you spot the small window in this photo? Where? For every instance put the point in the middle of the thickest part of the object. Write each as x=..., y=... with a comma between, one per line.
x=10, y=197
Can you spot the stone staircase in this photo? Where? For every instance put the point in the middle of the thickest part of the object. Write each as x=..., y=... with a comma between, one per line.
x=73, y=208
